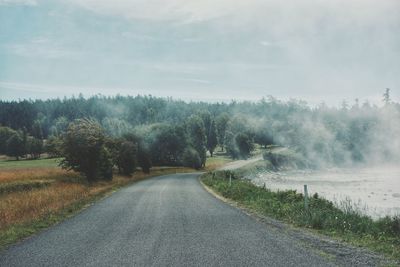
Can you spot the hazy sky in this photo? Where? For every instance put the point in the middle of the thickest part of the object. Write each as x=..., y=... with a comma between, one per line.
x=321, y=50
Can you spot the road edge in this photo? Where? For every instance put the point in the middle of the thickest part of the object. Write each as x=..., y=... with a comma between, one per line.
x=337, y=251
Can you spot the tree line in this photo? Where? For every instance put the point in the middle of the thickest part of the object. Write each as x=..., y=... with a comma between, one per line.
x=152, y=131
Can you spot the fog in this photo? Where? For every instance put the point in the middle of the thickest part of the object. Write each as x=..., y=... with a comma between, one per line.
x=350, y=155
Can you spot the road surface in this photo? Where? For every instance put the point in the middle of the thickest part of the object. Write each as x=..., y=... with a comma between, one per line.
x=165, y=221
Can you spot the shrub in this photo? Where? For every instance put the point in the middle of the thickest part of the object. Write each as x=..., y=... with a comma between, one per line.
x=15, y=146
x=84, y=150
x=126, y=160
x=191, y=159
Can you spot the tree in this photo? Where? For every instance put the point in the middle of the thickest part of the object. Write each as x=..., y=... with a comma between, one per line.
x=126, y=160
x=263, y=135
x=191, y=158
x=144, y=158
x=84, y=150
x=60, y=126
x=197, y=136
x=244, y=144
x=106, y=164
x=34, y=147
x=37, y=131
x=239, y=145
x=15, y=146
x=5, y=134
x=386, y=96
x=53, y=146
x=212, y=138
x=221, y=126
x=165, y=143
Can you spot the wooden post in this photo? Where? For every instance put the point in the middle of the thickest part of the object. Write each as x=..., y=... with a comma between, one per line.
x=230, y=179
x=306, y=198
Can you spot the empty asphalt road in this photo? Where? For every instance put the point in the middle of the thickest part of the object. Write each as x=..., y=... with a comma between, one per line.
x=164, y=221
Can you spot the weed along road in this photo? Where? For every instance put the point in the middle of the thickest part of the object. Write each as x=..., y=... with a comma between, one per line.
x=164, y=221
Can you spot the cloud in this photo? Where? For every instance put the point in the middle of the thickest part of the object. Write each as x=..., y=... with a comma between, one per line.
x=40, y=48
x=160, y=10
x=18, y=2
x=305, y=12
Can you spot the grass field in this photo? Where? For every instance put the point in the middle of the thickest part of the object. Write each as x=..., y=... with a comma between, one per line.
x=25, y=164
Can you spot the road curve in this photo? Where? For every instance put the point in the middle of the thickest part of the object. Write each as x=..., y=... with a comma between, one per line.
x=164, y=221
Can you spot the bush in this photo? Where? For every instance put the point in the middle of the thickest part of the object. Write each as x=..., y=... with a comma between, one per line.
x=126, y=160
x=34, y=147
x=84, y=150
x=239, y=145
x=15, y=146
x=53, y=146
x=191, y=159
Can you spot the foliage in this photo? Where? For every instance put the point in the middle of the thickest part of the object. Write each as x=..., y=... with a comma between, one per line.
x=84, y=151
x=5, y=134
x=239, y=146
x=263, y=135
x=53, y=146
x=212, y=138
x=15, y=146
x=126, y=160
x=165, y=144
x=191, y=159
x=325, y=135
x=144, y=158
x=34, y=147
x=221, y=125
x=197, y=137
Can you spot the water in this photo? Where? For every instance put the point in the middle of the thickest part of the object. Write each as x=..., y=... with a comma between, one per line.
x=374, y=191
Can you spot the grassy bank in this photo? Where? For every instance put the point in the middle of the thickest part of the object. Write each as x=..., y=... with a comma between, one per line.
x=32, y=199
x=348, y=225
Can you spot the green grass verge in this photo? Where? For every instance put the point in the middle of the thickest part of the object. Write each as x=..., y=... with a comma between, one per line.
x=348, y=225
x=28, y=164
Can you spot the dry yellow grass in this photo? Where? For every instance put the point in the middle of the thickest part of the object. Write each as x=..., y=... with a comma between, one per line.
x=21, y=207
x=67, y=189
x=34, y=174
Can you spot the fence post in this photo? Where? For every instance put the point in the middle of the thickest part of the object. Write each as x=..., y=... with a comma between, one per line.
x=230, y=179
x=306, y=198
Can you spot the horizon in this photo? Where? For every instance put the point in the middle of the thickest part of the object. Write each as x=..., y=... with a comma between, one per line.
x=350, y=104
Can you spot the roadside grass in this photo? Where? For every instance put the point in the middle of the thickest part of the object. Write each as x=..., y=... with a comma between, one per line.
x=323, y=216
x=27, y=207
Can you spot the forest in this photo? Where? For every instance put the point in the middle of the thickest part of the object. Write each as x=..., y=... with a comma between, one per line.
x=93, y=135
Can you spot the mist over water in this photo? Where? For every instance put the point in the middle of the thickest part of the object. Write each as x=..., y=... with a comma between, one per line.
x=346, y=154
x=374, y=191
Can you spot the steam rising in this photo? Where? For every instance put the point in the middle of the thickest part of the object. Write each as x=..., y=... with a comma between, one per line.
x=330, y=136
